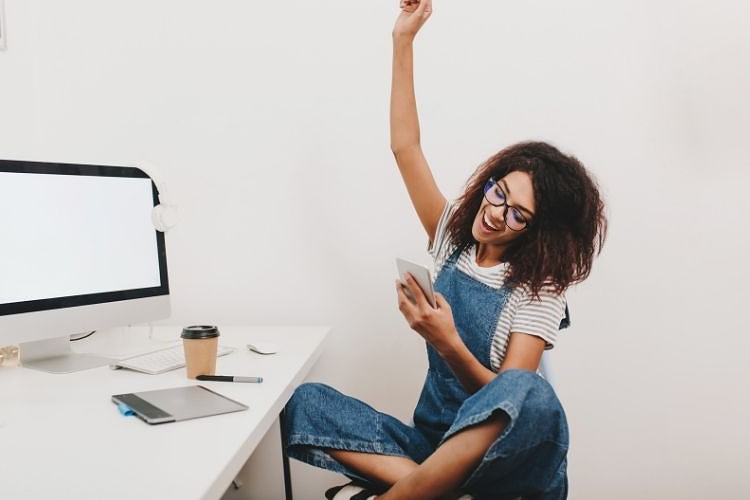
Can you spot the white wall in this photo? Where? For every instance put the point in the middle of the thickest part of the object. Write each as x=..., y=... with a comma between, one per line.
x=269, y=122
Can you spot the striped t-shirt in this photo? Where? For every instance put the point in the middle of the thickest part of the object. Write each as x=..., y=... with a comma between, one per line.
x=522, y=313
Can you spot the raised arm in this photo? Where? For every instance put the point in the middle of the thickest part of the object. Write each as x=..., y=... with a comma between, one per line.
x=405, y=144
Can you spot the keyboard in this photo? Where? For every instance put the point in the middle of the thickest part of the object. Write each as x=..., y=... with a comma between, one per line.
x=163, y=360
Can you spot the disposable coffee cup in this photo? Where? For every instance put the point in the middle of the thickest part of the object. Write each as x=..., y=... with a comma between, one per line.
x=201, y=343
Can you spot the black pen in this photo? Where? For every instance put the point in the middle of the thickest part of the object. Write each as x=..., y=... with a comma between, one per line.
x=230, y=378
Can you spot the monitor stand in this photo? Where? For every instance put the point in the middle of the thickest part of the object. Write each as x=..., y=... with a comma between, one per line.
x=56, y=356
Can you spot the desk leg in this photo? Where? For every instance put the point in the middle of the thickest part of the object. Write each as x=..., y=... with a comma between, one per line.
x=285, y=460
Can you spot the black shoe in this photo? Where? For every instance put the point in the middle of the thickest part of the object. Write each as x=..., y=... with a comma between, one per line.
x=350, y=491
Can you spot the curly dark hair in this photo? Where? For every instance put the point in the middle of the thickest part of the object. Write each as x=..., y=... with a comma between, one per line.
x=569, y=225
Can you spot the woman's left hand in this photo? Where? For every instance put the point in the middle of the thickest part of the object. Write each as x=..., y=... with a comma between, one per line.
x=435, y=325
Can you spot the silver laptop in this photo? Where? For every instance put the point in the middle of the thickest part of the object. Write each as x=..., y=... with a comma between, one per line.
x=176, y=404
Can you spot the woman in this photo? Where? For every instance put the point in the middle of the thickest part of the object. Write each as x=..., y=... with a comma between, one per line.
x=527, y=226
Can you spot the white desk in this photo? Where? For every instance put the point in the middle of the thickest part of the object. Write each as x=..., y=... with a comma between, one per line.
x=62, y=437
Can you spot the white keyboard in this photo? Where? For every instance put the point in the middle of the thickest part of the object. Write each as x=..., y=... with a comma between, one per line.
x=163, y=360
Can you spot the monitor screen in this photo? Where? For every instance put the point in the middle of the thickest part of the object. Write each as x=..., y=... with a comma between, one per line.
x=76, y=235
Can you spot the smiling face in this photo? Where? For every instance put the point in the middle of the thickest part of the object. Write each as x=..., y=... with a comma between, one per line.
x=490, y=228
x=567, y=225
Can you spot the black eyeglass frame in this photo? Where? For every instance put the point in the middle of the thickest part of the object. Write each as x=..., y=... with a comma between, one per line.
x=491, y=182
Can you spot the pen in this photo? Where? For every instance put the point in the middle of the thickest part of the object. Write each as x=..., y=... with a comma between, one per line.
x=230, y=378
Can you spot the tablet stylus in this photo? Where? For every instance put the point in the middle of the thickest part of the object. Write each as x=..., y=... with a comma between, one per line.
x=230, y=378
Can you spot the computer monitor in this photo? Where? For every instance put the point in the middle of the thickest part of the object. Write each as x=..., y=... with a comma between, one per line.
x=78, y=252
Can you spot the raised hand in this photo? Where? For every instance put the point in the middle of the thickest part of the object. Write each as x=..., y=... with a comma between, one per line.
x=414, y=13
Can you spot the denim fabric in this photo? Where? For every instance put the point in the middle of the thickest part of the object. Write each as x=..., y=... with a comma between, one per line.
x=318, y=416
x=476, y=310
x=527, y=459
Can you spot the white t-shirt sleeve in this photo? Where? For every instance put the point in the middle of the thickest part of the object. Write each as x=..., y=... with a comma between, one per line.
x=540, y=317
x=440, y=247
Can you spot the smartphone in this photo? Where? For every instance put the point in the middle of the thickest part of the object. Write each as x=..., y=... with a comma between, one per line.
x=421, y=275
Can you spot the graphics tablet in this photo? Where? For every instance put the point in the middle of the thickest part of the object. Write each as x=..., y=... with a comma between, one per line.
x=176, y=404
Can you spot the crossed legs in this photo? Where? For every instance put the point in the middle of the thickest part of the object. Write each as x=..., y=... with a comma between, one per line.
x=440, y=475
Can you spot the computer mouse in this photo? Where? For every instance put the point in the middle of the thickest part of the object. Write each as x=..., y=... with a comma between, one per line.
x=263, y=347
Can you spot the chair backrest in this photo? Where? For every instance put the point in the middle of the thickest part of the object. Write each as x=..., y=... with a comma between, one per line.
x=545, y=370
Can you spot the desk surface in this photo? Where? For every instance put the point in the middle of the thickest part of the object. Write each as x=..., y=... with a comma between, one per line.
x=62, y=437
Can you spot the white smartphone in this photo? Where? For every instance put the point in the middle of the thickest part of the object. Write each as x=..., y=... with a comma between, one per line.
x=422, y=276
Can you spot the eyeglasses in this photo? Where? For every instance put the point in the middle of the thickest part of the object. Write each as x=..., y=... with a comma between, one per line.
x=513, y=217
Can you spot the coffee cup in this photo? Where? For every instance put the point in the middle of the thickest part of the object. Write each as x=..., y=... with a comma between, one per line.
x=201, y=343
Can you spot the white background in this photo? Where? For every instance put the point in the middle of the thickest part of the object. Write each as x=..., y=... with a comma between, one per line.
x=269, y=120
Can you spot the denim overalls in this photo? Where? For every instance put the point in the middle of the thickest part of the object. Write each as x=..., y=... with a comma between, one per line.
x=529, y=458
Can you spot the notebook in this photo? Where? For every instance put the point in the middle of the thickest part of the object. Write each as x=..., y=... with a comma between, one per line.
x=176, y=404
